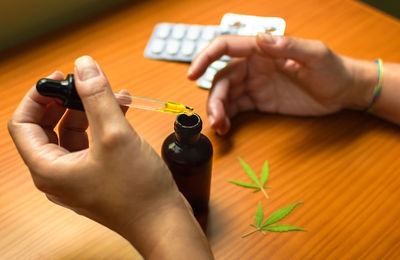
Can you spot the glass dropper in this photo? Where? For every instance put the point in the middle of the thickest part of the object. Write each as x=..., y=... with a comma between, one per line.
x=153, y=104
x=65, y=91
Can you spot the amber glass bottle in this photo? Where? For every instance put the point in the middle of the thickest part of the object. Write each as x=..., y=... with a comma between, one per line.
x=188, y=155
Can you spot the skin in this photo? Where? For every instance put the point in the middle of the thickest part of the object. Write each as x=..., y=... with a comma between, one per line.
x=118, y=180
x=291, y=76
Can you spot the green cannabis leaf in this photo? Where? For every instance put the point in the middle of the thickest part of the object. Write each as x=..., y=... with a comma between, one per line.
x=259, y=184
x=275, y=217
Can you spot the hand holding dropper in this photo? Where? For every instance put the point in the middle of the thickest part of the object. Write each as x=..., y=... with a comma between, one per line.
x=66, y=92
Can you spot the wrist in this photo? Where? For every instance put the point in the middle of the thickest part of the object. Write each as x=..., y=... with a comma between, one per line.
x=364, y=80
x=168, y=231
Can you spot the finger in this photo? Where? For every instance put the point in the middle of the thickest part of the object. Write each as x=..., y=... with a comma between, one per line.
x=217, y=116
x=124, y=98
x=53, y=114
x=227, y=83
x=72, y=130
x=241, y=104
x=33, y=107
x=289, y=66
x=102, y=110
x=301, y=50
x=54, y=109
x=231, y=45
x=26, y=125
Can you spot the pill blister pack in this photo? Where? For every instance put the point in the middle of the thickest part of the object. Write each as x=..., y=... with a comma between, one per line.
x=241, y=25
x=182, y=42
x=179, y=42
x=252, y=25
x=205, y=81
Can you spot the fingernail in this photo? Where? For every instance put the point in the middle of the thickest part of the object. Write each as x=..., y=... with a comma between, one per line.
x=223, y=128
x=266, y=38
x=226, y=125
x=87, y=68
x=189, y=72
x=54, y=73
x=211, y=120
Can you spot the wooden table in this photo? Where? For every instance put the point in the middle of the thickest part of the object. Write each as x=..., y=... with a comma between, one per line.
x=345, y=167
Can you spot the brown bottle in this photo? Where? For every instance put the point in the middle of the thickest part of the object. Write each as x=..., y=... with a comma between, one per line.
x=188, y=155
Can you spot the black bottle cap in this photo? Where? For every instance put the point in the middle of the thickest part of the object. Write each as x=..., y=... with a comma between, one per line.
x=62, y=89
x=186, y=126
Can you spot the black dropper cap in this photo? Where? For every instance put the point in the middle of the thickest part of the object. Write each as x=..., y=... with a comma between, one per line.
x=62, y=89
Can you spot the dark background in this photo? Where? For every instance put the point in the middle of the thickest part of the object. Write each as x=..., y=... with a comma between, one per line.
x=391, y=7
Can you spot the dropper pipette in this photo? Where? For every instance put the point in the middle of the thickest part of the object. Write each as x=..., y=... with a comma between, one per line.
x=153, y=104
x=65, y=90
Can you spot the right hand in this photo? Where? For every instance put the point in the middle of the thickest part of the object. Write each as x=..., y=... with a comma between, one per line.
x=118, y=181
x=278, y=74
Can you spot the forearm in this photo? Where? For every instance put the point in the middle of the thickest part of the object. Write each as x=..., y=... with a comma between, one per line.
x=365, y=74
x=169, y=233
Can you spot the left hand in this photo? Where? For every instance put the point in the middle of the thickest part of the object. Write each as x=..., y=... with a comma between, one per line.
x=276, y=74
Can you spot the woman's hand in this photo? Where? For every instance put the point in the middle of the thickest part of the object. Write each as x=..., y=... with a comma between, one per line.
x=118, y=181
x=278, y=74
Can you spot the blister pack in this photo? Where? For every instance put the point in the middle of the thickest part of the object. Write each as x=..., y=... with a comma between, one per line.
x=179, y=42
x=182, y=42
x=241, y=25
x=252, y=25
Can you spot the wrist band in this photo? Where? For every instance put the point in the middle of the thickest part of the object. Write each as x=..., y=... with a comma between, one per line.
x=378, y=87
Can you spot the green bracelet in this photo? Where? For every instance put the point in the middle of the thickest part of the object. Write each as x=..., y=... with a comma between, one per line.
x=378, y=87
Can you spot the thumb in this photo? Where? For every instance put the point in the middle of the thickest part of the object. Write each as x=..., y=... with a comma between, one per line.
x=300, y=50
x=102, y=110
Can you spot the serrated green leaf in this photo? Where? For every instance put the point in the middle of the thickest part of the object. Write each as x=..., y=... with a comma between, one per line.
x=280, y=214
x=264, y=173
x=244, y=184
x=282, y=228
x=257, y=190
x=249, y=172
x=259, y=215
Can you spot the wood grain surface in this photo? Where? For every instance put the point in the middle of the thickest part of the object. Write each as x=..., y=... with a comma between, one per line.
x=345, y=167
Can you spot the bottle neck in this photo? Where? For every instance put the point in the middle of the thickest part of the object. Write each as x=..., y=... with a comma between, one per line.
x=187, y=139
x=187, y=128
